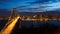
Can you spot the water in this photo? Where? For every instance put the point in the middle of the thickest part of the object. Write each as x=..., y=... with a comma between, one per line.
x=54, y=22
x=34, y=24
x=49, y=26
x=28, y=24
x=38, y=27
x=37, y=24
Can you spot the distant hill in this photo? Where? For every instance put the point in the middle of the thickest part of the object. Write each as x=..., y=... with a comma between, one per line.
x=7, y=12
x=43, y=13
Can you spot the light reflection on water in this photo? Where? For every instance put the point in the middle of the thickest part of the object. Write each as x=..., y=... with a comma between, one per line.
x=37, y=24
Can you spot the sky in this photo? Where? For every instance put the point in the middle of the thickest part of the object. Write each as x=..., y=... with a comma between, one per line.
x=31, y=5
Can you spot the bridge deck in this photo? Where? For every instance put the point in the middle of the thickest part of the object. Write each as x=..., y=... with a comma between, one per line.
x=10, y=26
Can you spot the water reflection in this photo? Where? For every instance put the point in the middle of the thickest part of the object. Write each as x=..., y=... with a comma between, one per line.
x=37, y=24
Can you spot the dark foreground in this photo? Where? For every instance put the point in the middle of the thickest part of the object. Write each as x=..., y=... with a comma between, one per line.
x=44, y=28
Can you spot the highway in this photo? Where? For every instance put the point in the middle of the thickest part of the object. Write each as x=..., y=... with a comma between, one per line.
x=10, y=27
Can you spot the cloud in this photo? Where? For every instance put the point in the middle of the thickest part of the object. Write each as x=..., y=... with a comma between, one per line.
x=26, y=5
x=46, y=7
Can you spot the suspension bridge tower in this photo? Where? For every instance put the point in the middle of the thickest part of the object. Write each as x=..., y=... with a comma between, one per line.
x=14, y=13
x=13, y=19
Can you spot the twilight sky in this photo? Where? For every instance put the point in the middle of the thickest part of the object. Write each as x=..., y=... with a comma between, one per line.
x=30, y=5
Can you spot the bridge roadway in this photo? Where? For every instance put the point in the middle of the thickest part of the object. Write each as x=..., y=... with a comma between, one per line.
x=9, y=28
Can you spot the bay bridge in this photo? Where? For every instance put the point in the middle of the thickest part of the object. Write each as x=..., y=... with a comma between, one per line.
x=13, y=19
x=11, y=22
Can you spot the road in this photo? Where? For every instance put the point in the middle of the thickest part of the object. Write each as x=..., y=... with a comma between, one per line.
x=10, y=27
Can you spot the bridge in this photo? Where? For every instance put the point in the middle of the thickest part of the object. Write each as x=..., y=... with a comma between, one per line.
x=11, y=22
x=14, y=17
